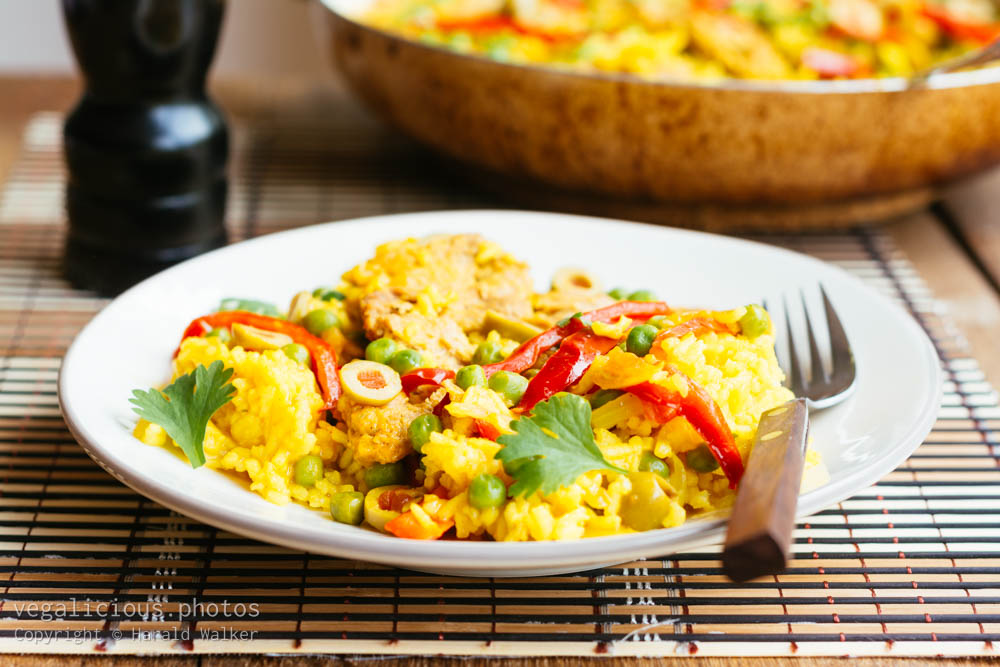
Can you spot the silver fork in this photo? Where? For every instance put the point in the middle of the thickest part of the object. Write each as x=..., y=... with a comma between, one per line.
x=759, y=535
x=821, y=389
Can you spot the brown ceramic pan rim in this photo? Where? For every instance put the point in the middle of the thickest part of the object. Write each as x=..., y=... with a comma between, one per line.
x=977, y=77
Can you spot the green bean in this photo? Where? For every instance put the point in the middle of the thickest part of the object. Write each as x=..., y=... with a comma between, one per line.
x=348, y=507
x=384, y=474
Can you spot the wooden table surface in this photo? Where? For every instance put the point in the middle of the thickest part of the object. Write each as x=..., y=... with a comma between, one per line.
x=956, y=250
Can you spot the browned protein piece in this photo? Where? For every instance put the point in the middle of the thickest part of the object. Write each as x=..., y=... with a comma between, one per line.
x=455, y=267
x=378, y=433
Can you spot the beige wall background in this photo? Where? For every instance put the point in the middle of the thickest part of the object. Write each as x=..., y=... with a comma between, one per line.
x=260, y=38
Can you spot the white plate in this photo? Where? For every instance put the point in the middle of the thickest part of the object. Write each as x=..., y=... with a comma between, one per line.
x=128, y=345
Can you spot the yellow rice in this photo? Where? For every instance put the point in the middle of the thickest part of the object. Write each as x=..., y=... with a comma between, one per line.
x=276, y=418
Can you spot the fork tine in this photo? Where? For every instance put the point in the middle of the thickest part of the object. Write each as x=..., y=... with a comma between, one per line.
x=839, y=345
x=796, y=377
x=815, y=360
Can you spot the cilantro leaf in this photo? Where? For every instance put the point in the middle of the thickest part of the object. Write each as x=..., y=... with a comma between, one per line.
x=184, y=407
x=551, y=448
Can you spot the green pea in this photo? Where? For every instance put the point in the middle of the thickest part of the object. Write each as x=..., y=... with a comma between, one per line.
x=319, y=320
x=603, y=396
x=640, y=339
x=297, y=353
x=487, y=491
x=381, y=350
x=308, y=470
x=487, y=352
x=327, y=294
x=420, y=430
x=701, y=459
x=755, y=321
x=222, y=334
x=658, y=321
x=405, y=361
x=510, y=386
x=650, y=463
x=384, y=474
x=618, y=293
x=348, y=507
x=468, y=376
x=642, y=295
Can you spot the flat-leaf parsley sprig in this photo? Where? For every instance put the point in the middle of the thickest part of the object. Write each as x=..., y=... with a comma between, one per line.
x=184, y=407
x=551, y=448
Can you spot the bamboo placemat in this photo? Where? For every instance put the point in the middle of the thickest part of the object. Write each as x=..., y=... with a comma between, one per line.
x=910, y=566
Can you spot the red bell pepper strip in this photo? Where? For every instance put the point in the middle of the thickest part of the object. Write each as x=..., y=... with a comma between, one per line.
x=575, y=356
x=697, y=326
x=490, y=25
x=425, y=377
x=704, y=415
x=324, y=357
x=660, y=413
x=487, y=430
x=956, y=28
x=406, y=525
x=525, y=356
x=637, y=310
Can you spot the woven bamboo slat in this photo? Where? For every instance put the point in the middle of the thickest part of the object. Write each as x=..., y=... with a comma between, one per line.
x=910, y=566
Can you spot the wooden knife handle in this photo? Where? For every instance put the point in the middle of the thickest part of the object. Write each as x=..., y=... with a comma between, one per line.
x=759, y=536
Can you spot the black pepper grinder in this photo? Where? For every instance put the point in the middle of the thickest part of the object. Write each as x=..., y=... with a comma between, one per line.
x=145, y=148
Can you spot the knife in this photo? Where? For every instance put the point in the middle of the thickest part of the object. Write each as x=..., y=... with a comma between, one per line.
x=758, y=540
